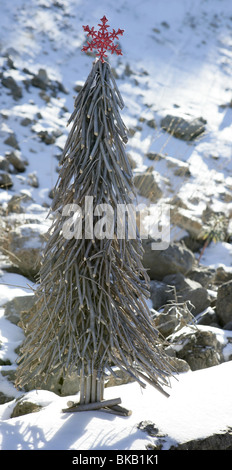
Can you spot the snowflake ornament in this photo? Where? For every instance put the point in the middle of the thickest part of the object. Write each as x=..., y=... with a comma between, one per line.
x=102, y=40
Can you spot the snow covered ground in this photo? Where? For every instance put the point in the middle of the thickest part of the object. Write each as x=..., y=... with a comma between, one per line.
x=177, y=59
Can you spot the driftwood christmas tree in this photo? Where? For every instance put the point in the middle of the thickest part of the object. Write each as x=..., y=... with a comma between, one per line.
x=92, y=310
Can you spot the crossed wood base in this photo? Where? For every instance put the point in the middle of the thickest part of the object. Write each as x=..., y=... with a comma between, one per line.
x=109, y=406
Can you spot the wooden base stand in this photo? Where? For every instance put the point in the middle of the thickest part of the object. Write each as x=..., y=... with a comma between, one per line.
x=108, y=406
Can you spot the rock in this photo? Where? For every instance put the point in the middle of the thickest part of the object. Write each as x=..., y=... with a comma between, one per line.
x=160, y=294
x=40, y=80
x=147, y=185
x=217, y=441
x=189, y=290
x=15, y=308
x=47, y=138
x=11, y=84
x=155, y=156
x=185, y=219
x=172, y=318
x=209, y=318
x=33, y=180
x=15, y=204
x=159, y=263
x=24, y=245
x=200, y=348
x=4, y=164
x=166, y=322
x=5, y=398
x=24, y=407
x=224, y=303
x=179, y=168
x=26, y=121
x=12, y=141
x=222, y=276
x=204, y=275
x=183, y=128
x=5, y=180
x=15, y=160
x=151, y=123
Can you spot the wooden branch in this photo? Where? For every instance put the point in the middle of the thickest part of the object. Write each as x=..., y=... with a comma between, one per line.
x=92, y=406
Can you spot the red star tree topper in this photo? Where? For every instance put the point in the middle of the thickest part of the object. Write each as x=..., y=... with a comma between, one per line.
x=102, y=40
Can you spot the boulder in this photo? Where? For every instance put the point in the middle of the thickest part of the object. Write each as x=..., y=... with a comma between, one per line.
x=25, y=245
x=199, y=347
x=5, y=180
x=12, y=141
x=217, y=441
x=11, y=84
x=15, y=308
x=159, y=263
x=186, y=220
x=189, y=290
x=160, y=294
x=171, y=319
x=204, y=275
x=24, y=407
x=224, y=303
x=147, y=185
x=15, y=160
x=4, y=164
x=185, y=129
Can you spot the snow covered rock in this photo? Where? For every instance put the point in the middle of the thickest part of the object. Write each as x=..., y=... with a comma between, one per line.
x=183, y=128
x=147, y=185
x=198, y=347
x=186, y=220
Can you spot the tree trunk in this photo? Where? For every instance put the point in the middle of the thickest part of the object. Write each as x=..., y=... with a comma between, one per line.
x=91, y=388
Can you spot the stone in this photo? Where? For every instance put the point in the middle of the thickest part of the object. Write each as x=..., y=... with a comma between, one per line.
x=218, y=441
x=185, y=219
x=15, y=160
x=205, y=275
x=183, y=128
x=189, y=290
x=147, y=185
x=40, y=80
x=25, y=244
x=159, y=263
x=5, y=180
x=5, y=398
x=11, y=84
x=12, y=141
x=160, y=294
x=4, y=164
x=47, y=138
x=200, y=348
x=224, y=303
x=166, y=322
x=24, y=407
x=26, y=121
x=222, y=276
x=209, y=318
x=151, y=123
x=15, y=308
x=171, y=318
x=15, y=204
x=33, y=180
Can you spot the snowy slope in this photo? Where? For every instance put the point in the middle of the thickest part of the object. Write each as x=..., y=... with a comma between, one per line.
x=176, y=60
